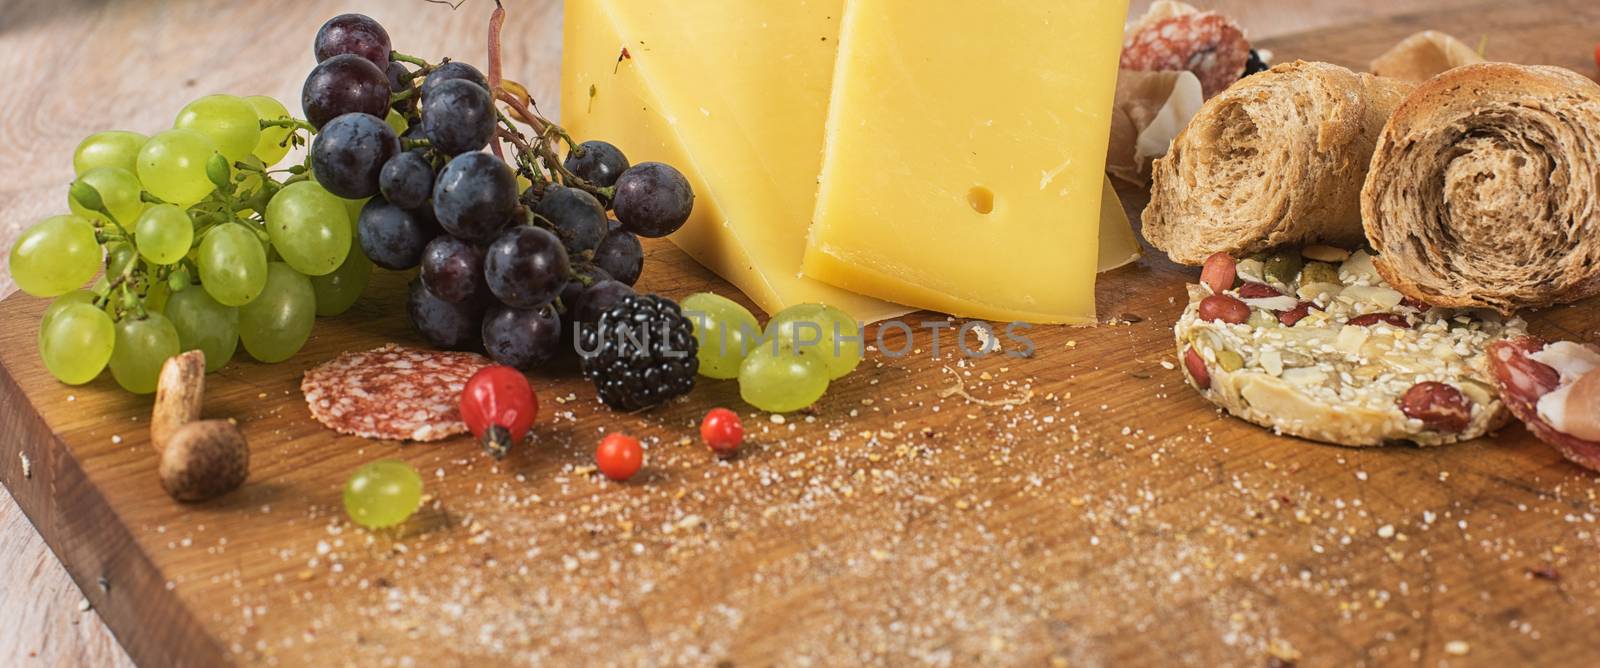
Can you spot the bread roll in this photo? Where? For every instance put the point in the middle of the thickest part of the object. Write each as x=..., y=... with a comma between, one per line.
x=1278, y=159
x=1485, y=189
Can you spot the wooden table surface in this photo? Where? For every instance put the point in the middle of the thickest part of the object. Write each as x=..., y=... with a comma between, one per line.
x=1198, y=540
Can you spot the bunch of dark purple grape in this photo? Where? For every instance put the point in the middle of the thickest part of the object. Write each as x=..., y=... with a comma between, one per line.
x=511, y=271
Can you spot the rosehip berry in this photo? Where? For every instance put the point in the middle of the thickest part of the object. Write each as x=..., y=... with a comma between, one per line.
x=619, y=456
x=498, y=406
x=722, y=431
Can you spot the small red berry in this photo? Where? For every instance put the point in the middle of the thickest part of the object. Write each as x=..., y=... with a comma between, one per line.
x=722, y=432
x=498, y=406
x=619, y=456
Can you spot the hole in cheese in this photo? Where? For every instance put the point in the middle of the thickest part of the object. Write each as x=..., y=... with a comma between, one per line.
x=981, y=199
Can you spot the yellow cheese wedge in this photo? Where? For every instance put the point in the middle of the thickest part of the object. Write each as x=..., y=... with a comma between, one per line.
x=1118, y=246
x=965, y=156
x=733, y=94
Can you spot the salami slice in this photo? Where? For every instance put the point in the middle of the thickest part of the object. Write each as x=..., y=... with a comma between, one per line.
x=1523, y=381
x=391, y=392
x=1208, y=44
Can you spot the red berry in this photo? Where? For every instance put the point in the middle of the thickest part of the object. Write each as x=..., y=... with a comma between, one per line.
x=498, y=406
x=722, y=432
x=619, y=456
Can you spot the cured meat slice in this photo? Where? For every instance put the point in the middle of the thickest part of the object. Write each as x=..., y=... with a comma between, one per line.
x=1208, y=44
x=1523, y=381
x=392, y=392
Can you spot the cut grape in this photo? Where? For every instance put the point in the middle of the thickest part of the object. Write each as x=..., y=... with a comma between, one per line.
x=524, y=339
x=275, y=325
x=782, y=380
x=76, y=342
x=338, y=291
x=344, y=84
x=474, y=196
x=577, y=217
x=600, y=163
x=230, y=122
x=727, y=333
x=832, y=334
x=449, y=325
x=526, y=267
x=274, y=142
x=356, y=34
x=205, y=325
x=620, y=254
x=383, y=494
x=453, y=270
x=349, y=153
x=233, y=265
x=164, y=233
x=309, y=228
x=394, y=238
x=407, y=180
x=55, y=256
x=653, y=199
x=115, y=148
x=142, y=346
x=458, y=116
x=172, y=166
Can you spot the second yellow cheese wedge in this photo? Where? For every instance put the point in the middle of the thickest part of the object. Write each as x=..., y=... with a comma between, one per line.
x=965, y=156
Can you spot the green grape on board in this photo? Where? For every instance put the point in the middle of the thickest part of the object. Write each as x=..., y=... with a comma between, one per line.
x=56, y=255
x=164, y=233
x=829, y=332
x=204, y=325
x=310, y=228
x=229, y=121
x=383, y=494
x=172, y=166
x=782, y=380
x=233, y=265
x=142, y=346
x=276, y=324
x=76, y=342
x=726, y=330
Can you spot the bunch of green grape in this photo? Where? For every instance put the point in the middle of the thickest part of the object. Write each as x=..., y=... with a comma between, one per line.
x=785, y=367
x=191, y=238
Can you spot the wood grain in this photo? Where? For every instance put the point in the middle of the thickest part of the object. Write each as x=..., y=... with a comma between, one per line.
x=1110, y=519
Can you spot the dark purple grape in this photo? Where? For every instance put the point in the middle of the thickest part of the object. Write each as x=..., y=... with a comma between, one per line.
x=583, y=276
x=407, y=180
x=523, y=339
x=597, y=162
x=400, y=81
x=526, y=267
x=457, y=117
x=348, y=155
x=344, y=84
x=598, y=298
x=392, y=237
x=474, y=196
x=453, y=270
x=653, y=200
x=620, y=254
x=354, y=34
x=451, y=70
x=450, y=325
x=577, y=217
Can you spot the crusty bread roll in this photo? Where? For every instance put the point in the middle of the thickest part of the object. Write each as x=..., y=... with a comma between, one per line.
x=1278, y=159
x=1485, y=189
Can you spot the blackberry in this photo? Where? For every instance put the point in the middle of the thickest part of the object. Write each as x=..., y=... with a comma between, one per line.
x=640, y=353
x=1255, y=65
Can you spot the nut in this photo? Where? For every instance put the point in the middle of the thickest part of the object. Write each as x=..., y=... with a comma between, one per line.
x=178, y=393
x=1197, y=369
x=1224, y=308
x=1219, y=272
x=1325, y=253
x=1440, y=407
x=204, y=459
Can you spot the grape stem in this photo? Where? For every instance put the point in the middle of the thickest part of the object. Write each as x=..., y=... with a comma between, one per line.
x=401, y=57
x=402, y=95
x=408, y=144
x=292, y=123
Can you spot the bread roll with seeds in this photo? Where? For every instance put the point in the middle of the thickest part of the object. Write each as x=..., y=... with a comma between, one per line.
x=1485, y=189
x=1277, y=160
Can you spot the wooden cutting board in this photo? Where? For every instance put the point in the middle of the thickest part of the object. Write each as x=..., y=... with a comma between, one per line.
x=1077, y=507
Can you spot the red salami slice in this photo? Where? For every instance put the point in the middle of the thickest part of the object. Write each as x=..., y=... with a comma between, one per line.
x=1208, y=44
x=1523, y=381
x=392, y=392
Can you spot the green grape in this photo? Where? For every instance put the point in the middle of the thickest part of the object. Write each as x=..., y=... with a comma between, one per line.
x=58, y=304
x=277, y=324
x=838, y=335
x=352, y=208
x=274, y=140
x=172, y=166
x=726, y=330
x=143, y=345
x=782, y=380
x=54, y=256
x=164, y=234
x=233, y=265
x=119, y=192
x=204, y=325
x=76, y=342
x=118, y=256
x=117, y=148
x=229, y=121
x=310, y=228
x=338, y=291
x=155, y=299
x=397, y=122
x=382, y=494
x=252, y=180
